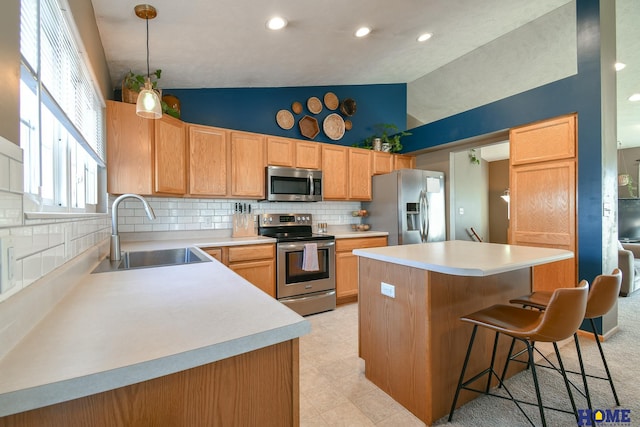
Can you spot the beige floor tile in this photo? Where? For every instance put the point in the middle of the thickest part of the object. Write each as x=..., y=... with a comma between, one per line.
x=377, y=405
x=324, y=397
x=346, y=415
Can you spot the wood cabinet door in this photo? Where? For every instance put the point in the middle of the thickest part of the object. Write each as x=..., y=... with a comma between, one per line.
x=129, y=150
x=359, y=174
x=208, y=161
x=335, y=176
x=543, y=213
x=248, y=162
x=308, y=155
x=261, y=274
x=547, y=140
x=403, y=162
x=382, y=162
x=214, y=252
x=346, y=276
x=170, y=155
x=281, y=151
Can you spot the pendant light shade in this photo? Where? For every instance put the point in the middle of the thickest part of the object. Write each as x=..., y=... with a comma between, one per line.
x=148, y=104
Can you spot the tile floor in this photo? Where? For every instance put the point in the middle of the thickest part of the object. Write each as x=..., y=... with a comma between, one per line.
x=333, y=389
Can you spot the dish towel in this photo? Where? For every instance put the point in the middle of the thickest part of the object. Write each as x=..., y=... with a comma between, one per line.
x=310, y=257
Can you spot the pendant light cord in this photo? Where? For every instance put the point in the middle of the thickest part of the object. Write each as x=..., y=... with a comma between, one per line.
x=148, y=74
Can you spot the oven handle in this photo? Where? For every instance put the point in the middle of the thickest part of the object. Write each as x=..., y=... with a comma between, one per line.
x=300, y=246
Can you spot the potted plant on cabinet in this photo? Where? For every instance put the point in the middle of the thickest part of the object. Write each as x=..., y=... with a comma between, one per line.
x=389, y=135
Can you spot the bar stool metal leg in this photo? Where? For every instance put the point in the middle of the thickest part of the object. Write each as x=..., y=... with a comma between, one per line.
x=566, y=381
x=535, y=383
x=464, y=369
x=604, y=361
x=582, y=372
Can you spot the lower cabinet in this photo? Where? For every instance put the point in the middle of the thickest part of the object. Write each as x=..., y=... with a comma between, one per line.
x=256, y=263
x=347, y=265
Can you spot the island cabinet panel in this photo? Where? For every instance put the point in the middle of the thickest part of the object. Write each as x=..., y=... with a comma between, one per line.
x=129, y=150
x=335, y=172
x=543, y=195
x=347, y=265
x=359, y=174
x=308, y=155
x=281, y=151
x=248, y=162
x=170, y=156
x=414, y=344
x=401, y=161
x=208, y=161
x=259, y=388
x=382, y=162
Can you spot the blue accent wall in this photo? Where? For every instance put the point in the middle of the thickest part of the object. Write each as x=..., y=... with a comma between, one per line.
x=254, y=109
x=579, y=93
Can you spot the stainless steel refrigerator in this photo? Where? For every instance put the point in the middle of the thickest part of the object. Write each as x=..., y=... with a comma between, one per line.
x=409, y=205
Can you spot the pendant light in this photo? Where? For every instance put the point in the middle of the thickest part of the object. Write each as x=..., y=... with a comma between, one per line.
x=148, y=104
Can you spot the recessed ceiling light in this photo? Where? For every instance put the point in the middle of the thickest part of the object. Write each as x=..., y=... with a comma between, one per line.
x=635, y=97
x=276, y=23
x=619, y=66
x=363, y=31
x=424, y=37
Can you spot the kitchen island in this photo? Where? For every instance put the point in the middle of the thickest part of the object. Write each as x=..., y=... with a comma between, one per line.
x=191, y=344
x=410, y=300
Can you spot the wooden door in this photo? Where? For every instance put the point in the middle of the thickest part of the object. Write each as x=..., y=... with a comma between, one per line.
x=261, y=273
x=248, y=162
x=170, y=155
x=208, y=161
x=543, y=195
x=382, y=162
x=359, y=174
x=308, y=155
x=280, y=151
x=401, y=161
x=346, y=277
x=335, y=176
x=129, y=150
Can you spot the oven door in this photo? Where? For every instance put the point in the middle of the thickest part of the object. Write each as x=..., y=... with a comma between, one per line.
x=292, y=280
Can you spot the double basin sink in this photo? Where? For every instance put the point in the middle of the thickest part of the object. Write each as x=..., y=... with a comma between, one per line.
x=149, y=259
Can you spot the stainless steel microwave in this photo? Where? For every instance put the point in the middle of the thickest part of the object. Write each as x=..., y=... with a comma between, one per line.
x=293, y=184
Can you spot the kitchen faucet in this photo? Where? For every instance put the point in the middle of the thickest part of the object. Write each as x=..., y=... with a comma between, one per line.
x=115, y=238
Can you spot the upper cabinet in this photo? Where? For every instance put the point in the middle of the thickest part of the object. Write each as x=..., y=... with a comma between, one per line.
x=401, y=161
x=335, y=172
x=382, y=162
x=293, y=153
x=208, y=161
x=248, y=162
x=144, y=156
x=308, y=155
x=360, y=174
x=544, y=141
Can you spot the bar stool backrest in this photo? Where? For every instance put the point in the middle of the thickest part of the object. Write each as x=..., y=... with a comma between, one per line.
x=603, y=294
x=563, y=315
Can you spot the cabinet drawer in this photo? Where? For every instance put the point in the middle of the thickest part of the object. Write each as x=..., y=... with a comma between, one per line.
x=251, y=252
x=343, y=245
x=214, y=252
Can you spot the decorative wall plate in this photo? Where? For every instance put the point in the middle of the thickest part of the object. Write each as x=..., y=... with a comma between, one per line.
x=296, y=107
x=333, y=126
x=348, y=107
x=309, y=127
x=331, y=100
x=285, y=119
x=347, y=124
x=314, y=105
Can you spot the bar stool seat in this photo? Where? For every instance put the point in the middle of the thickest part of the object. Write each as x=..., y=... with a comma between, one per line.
x=603, y=295
x=561, y=319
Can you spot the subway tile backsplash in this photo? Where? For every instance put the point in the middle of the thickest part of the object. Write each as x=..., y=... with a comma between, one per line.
x=173, y=214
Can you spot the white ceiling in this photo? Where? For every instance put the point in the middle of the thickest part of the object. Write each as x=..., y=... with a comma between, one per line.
x=224, y=43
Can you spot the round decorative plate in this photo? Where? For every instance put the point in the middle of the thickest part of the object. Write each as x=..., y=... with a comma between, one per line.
x=347, y=124
x=296, y=107
x=314, y=105
x=331, y=100
x=309, y=127
x=285, y=120
x=348, y=107
x=333, y=126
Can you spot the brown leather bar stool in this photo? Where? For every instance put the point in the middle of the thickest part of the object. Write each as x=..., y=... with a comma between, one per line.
x=603, y=295
x=561, y=319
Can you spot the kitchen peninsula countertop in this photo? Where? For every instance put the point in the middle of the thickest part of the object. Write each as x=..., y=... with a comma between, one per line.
x=120, y=328
x=464, y=258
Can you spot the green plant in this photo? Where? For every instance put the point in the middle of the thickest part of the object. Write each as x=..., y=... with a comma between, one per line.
x=388, y=133
x=631, y=187
x=473, y=157
x=135, y=82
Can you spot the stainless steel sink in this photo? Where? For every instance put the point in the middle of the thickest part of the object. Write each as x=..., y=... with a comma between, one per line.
x=149, y=259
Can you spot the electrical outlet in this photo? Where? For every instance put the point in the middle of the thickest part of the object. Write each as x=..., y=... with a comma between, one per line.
x=387, y=289
x=7, y=264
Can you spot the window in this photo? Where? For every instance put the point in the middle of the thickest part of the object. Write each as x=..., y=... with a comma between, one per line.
x=61, y=112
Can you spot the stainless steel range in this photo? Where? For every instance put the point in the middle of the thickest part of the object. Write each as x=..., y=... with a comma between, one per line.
x=305, y=262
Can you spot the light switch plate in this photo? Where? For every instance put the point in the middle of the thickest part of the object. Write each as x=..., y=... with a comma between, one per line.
x=387, y=289
x=7, y=264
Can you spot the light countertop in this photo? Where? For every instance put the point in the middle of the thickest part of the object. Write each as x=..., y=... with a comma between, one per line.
x=119, y=328
x=464, y=258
